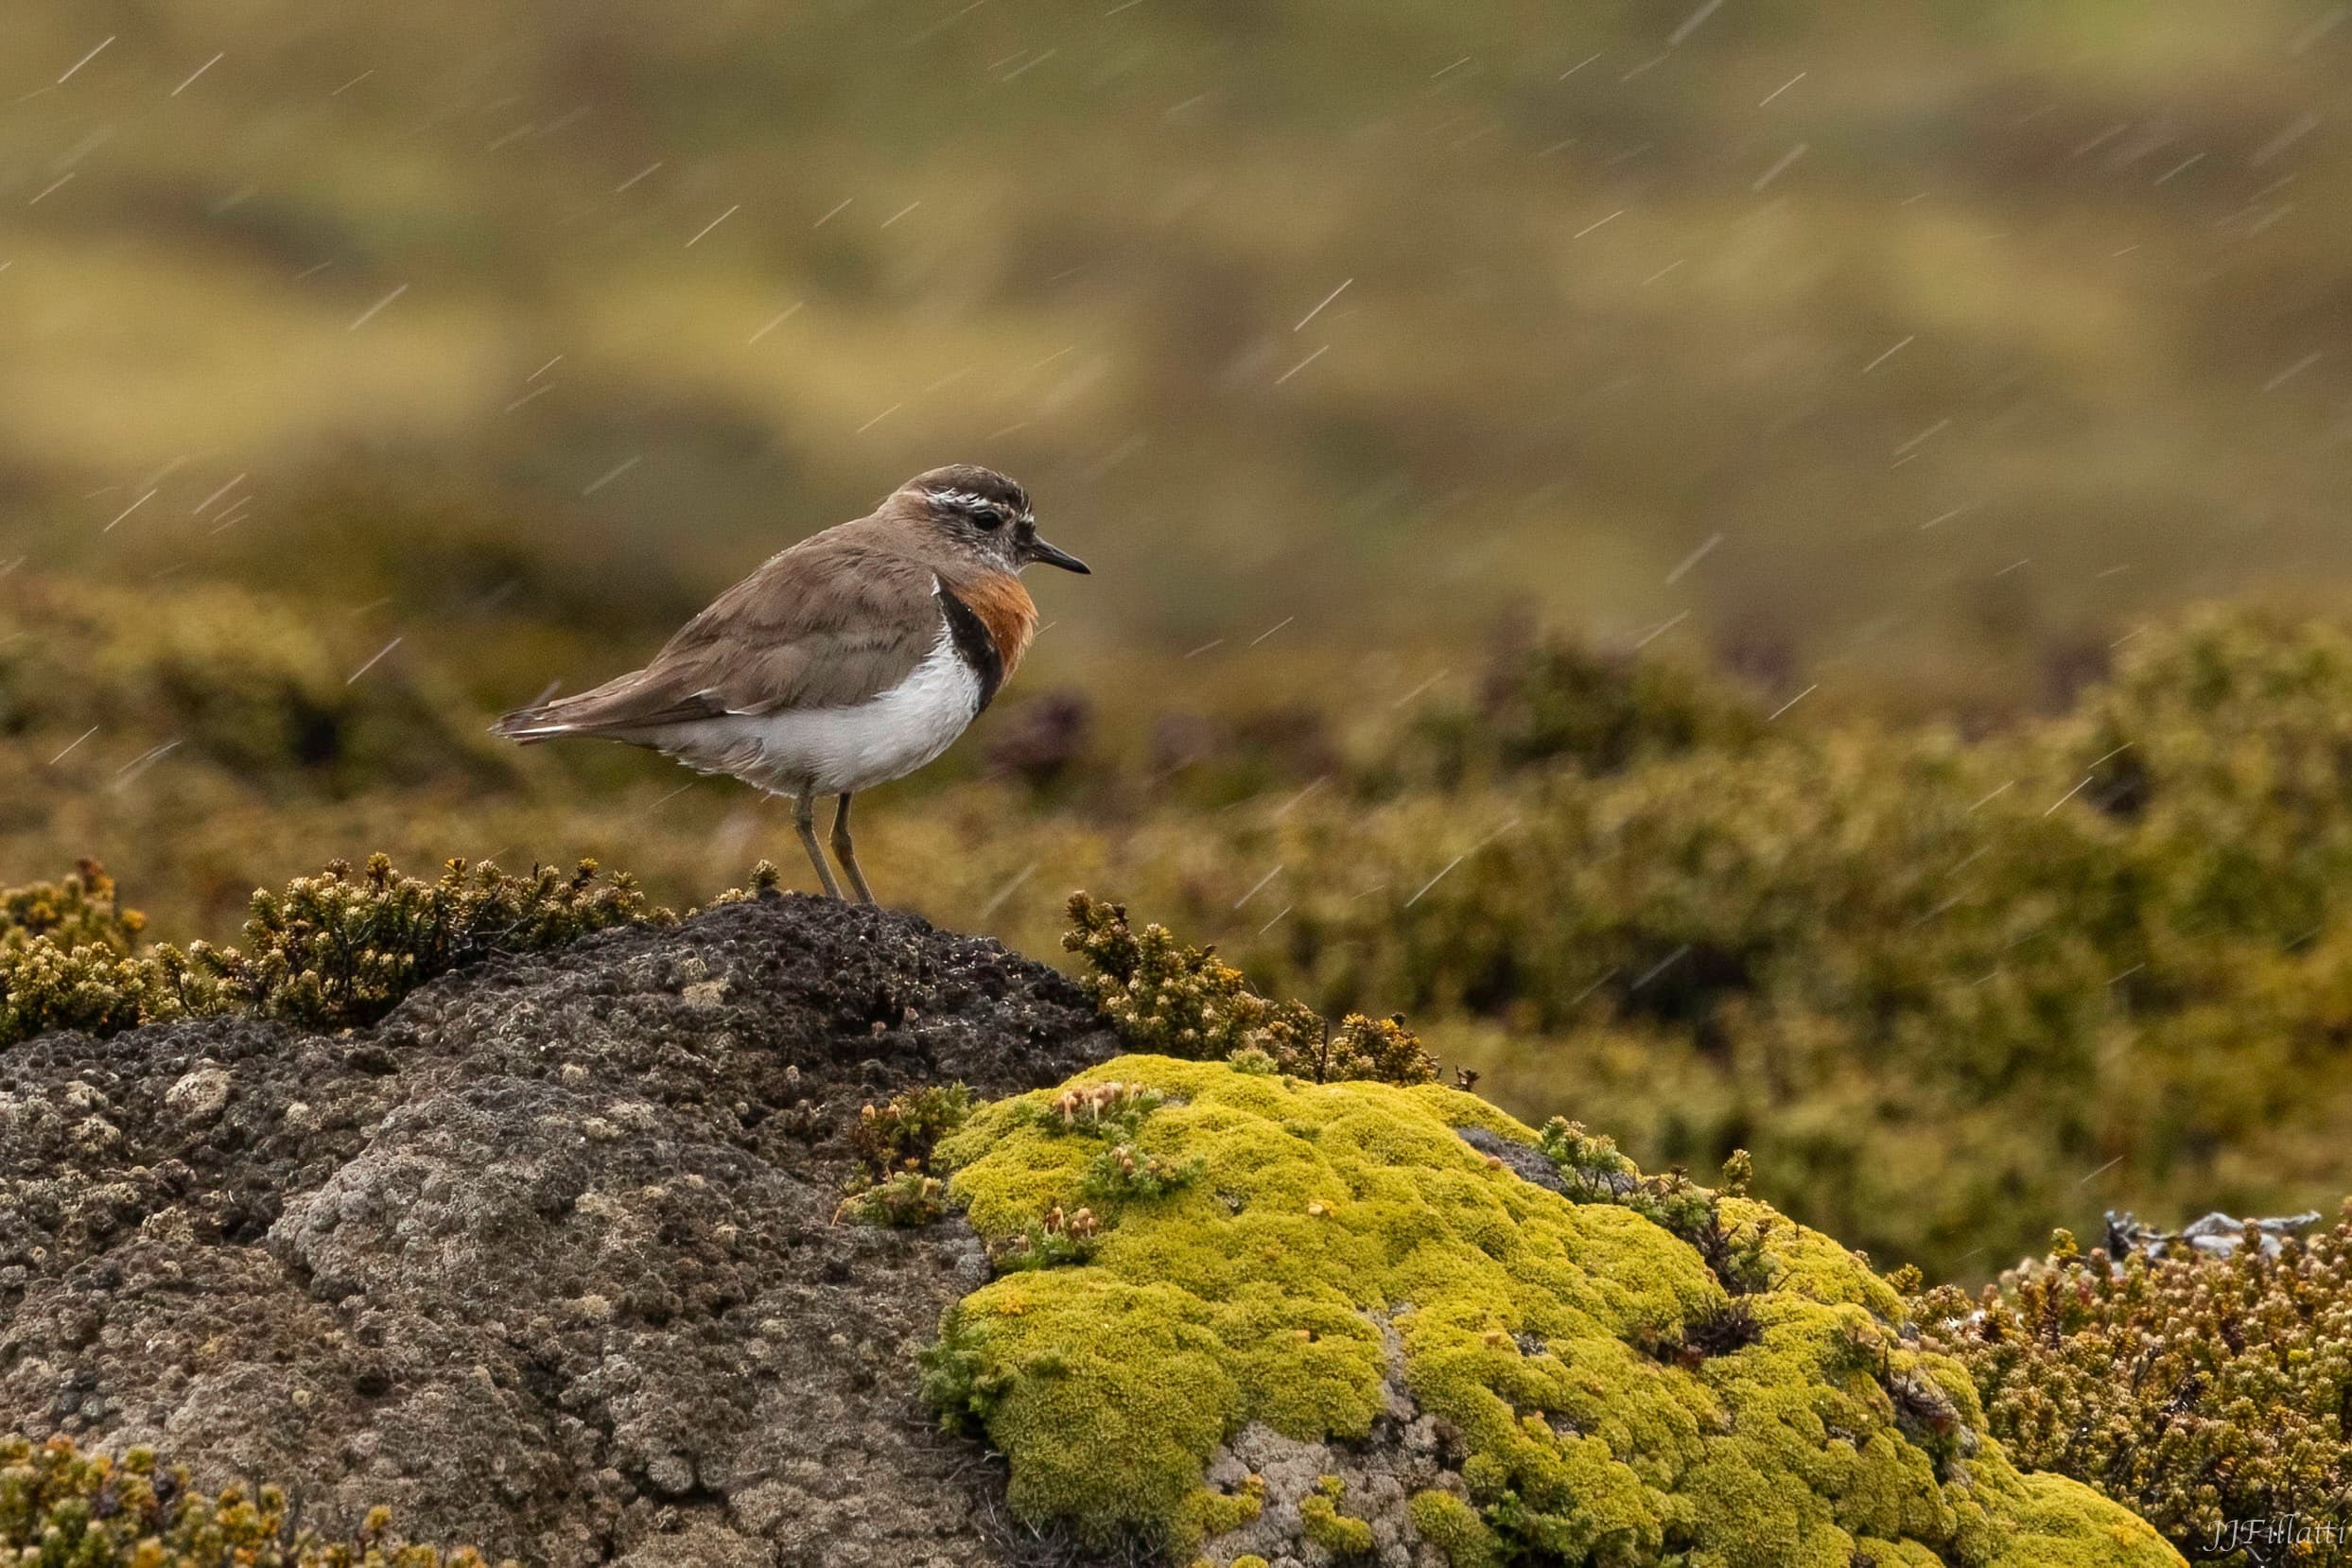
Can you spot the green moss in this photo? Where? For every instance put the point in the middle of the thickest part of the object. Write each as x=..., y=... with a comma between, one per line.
x=1454, y=1528
x=1337, y=1534
x=1810, y=1263
x=1206, y=1513
x=1322, y=1214
x=59, y=1507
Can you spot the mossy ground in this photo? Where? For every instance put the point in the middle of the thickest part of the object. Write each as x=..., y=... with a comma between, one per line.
x=1257, y=1292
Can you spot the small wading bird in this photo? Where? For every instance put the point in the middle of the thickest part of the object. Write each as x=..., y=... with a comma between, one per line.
x=852, y=658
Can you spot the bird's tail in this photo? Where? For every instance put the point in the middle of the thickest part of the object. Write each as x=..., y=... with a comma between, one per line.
x=547, y=720
x=531, y=726
x=617, y=711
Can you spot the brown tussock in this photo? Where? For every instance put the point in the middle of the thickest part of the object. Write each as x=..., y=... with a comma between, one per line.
x=1005, y=608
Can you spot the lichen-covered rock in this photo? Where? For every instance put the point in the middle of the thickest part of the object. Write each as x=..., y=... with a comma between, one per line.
x=1484, y=1369
x=547, y=1261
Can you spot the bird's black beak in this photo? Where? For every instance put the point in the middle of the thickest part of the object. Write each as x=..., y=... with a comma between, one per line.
x=1037, y=550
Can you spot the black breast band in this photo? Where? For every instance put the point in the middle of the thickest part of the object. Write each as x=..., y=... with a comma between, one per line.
x=974, y=645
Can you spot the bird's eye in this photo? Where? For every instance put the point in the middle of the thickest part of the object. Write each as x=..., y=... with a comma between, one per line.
x=989, y=519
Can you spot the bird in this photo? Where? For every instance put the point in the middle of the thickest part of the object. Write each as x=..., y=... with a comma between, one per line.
x=851, y=658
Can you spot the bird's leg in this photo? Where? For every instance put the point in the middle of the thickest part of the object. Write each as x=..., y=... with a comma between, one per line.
x=805, y=824
x=847, y=852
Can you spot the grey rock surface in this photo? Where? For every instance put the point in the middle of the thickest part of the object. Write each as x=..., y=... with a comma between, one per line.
x=547, y=1261
x=1527, y=1163
x=2215, y=1235
x=1408, y=1452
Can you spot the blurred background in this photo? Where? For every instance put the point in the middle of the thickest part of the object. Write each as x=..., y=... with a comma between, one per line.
x=1658, y=537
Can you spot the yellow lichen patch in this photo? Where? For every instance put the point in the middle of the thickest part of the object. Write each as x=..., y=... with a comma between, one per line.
x=1320, y=1220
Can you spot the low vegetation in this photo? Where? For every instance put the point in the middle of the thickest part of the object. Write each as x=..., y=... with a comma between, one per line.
x=1950, y=991
x=333, y=950
x=2207, y=1393
x=1167, y=997
x=1256, y=1211
x=78, y=911
x=61, y=1507
x=1947, y=988
x=1789, y=1422
x=894, y=1184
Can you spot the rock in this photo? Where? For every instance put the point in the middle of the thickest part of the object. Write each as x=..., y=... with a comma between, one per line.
x=201, y=1096
x=1526, y=1163
x=2216, y=1235
x=547, y=1261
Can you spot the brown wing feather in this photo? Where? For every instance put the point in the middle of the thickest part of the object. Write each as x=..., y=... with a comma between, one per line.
x=836, y=620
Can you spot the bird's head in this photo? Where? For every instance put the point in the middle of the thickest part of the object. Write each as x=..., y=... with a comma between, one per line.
x=982, y=516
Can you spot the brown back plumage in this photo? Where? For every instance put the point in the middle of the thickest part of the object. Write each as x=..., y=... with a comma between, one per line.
x=832, y=621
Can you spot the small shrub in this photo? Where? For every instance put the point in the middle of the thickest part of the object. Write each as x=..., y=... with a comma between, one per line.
x=77, y=911
x=334, y=950
x=1557, y=701
x=900, y=1134
x=1178, y=1001
x=1053, y=1242
x=340, y=949
x=1719, y=1329
x=234, y=685
x=1112, y=1109
x=1734, y=1253
x=1304, y=1046
x=1125, y=1173
x=46, y=985
x=2205, y=1392
x=959, y=1379
x=893, y=1143
x=1594, y=1170
x=902, y=1200
x=59, y=1506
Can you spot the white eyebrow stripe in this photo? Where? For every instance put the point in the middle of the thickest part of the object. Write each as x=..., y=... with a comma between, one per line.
x=971, y=500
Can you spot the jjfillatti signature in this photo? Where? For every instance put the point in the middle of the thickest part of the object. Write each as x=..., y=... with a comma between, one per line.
x=2291, y=1528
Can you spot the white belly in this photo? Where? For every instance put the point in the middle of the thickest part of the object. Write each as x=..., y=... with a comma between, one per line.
x=839, y=750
